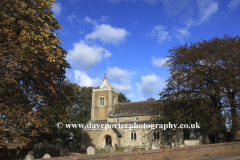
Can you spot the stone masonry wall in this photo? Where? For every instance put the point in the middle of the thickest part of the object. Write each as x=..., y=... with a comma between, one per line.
x=168, y=153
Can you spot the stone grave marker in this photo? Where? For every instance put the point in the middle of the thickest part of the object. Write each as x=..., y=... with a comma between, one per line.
x=90, y=150
x=40, y=145
x=135, y=149
x=28, y=157
x=116, y=146
x=154, y=146
x=35, y=147
x=112, y=149
x=95, y=150
x=46, y=156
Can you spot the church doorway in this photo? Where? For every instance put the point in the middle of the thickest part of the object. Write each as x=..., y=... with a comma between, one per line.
x=108, y=141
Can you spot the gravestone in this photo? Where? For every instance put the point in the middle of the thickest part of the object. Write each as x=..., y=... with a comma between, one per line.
x=126, y=150
x=135, y=149
x=28, y=157
x=107, y=148
x=99, y=148
x=46, y=156
x=146, y=148
x=61, y=151
x=130, y=150
x=83, y=148
x=112, y=149
x=31, y=152
x=172, y=144
x=35, y=148
x=66, y=150
x=90, y=150
x=95, y=150
x=40, y=145
x=155, y=146
x=116, y=146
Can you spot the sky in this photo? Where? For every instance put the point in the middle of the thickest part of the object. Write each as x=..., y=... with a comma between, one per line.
x=129, y=39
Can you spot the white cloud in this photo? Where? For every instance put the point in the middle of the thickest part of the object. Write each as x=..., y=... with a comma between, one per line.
x=207, y=8
x=118, y=75
x=131, y=96
x=87, y=19
x=108, y=34
x=71, y=17
x=95, y=22
x=150, y=85
x=122, y=87
x=57, y=8
x=233, y=4
x=121, y=77
x=182, y=33
x=84, y=56
x=160, y=33
x=158, y=62
x=84, y=80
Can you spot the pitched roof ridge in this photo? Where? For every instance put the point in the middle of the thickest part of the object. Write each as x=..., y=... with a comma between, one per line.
x=137, y=102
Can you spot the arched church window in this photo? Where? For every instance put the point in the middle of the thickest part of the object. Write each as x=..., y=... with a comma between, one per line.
x=133, y=136
x=102, y=101
x=156, y=135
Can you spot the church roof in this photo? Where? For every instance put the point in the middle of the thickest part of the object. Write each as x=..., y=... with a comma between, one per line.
x=105, y=83
x=133, y=122
x=130, y=109
x=117, y=132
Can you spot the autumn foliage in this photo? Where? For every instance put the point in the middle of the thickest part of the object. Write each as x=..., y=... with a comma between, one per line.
x=32, y=68
x=204, y=84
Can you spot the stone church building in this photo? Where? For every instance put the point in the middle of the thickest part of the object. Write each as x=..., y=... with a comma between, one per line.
x=107, y=111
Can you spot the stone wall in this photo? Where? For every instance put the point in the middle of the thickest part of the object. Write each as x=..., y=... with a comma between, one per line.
x=90, y=138
x=101, y=112
x=168, y=153
x=129, y=118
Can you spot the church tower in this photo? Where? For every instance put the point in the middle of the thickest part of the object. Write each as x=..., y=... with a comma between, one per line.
x=103, y=100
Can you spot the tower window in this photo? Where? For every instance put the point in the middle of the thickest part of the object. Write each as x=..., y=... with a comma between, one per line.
x=102, y=101
x=156, y=135
x=117, y=119
x=133, y=136
x=137, y=118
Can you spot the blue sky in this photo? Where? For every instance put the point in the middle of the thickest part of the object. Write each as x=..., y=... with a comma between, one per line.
x=129, y=39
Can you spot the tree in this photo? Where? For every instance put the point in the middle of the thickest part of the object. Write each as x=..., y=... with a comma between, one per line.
x=122, y=98
x=32, y=68
x=151, y=99
x=207, y=70
x=80, y=111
